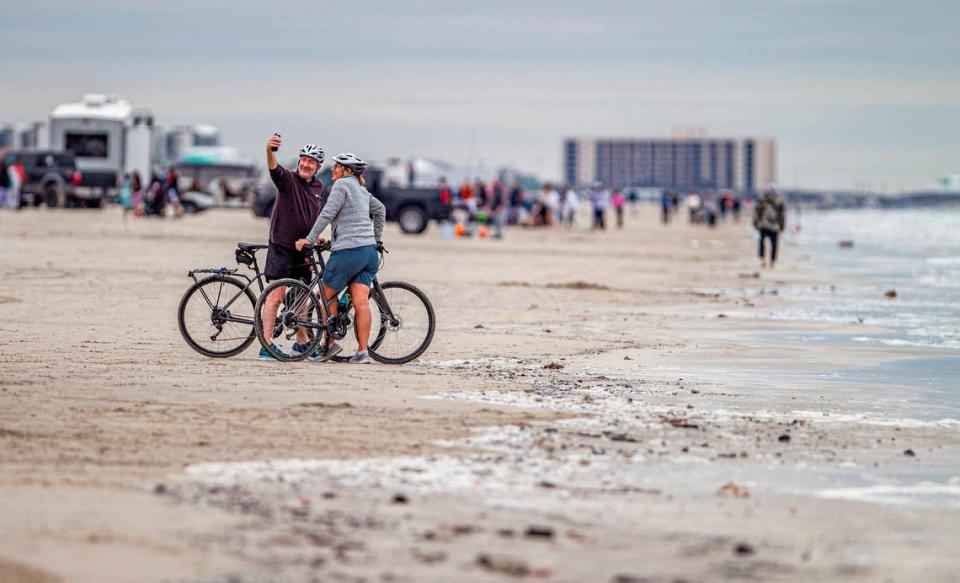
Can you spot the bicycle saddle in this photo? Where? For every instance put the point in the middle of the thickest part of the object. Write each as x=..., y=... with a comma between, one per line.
x=250, y=246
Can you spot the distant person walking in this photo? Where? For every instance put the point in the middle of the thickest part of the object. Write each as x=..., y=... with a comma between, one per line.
x=446, y=194
x=571, y=200
x=598, y=202
x=633, y=201
x=619, y=201
x=516, y=202
x=498, y=208
x=171, y=189
x=126, y=194
x=137, y=195
x=694, y=208
x=769, y=219
x=551, y=202
x=17, y=176
x=4, y=183
x=666, y=206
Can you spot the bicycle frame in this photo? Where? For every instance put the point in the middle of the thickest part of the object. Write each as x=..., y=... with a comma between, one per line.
x=259, y=278
x=319, y=265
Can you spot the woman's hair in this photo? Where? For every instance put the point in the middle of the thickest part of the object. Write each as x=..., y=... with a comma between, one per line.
x=358, y=175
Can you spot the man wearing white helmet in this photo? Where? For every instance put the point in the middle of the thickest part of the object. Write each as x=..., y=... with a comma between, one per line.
x=300, y=196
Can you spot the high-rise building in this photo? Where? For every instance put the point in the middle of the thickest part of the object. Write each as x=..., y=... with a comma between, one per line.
x=687, y=162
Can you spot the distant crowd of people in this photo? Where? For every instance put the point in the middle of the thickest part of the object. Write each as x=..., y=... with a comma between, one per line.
x=478, y=203
x=159, y=198
x=702, y=208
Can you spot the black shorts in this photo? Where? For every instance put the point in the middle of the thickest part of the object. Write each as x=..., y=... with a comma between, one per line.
x=286, y=262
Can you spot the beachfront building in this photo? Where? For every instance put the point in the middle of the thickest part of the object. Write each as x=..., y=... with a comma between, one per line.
x=688, y=161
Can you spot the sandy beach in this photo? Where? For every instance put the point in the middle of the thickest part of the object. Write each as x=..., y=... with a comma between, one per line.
x=593, y=407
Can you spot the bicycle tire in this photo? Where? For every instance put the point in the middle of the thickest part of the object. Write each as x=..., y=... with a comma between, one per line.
x=312, y=308
x=383, y=334
x=242, y=288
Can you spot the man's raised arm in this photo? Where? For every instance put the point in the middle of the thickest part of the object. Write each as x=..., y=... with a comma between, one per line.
x=273, y=144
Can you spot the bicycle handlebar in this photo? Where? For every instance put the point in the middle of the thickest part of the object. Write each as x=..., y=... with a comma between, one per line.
x=325, y=246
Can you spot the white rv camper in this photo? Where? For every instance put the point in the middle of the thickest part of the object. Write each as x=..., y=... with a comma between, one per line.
x=109, y=136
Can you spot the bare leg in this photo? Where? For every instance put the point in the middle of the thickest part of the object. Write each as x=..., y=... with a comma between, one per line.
x=269, y=313
x=361, y=310
x=330, y=293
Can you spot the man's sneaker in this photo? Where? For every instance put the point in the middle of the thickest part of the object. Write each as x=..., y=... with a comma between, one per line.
x=326, y=354
x=360, y=358
x=264, y=355
x=298, y=348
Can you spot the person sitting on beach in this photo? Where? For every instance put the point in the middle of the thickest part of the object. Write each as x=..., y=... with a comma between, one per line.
x=769, y=219
x=356, y=219
x=300, y=196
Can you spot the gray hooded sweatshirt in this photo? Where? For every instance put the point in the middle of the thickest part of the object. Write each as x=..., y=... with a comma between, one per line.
x=355, y=216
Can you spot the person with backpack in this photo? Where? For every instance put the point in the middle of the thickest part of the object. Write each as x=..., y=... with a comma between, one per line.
x=769, y=219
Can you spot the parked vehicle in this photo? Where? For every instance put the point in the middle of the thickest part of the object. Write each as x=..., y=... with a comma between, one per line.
x=109, y=137
x=195, y=201
x=413, y=208
x=266, y=196
x=51, y=177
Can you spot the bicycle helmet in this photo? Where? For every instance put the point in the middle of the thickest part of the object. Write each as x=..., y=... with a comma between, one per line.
x=351, y=161
x=312, y=151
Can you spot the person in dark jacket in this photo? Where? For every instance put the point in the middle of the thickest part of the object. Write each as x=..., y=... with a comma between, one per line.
x=769, y=219
x=300, y=198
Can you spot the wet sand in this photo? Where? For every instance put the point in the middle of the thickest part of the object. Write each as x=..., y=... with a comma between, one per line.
x=641, y=427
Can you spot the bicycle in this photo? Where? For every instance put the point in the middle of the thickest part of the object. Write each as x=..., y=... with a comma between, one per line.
x=402, y=318
x=206, y=313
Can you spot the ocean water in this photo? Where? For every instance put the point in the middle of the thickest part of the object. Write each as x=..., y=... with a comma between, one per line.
x=915, y=252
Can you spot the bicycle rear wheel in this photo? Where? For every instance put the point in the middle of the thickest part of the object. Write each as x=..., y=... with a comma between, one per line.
x=408, y=333
x=299, y=311
x=209, y=325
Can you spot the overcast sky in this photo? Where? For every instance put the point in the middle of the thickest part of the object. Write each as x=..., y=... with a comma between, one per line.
x=857, y=93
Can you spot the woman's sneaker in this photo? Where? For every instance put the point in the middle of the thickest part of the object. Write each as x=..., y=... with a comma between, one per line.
x=325, y=355
x=360, y=358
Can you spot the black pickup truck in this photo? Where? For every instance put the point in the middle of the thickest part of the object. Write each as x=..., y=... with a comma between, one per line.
x=413, y=208
x=51, y=177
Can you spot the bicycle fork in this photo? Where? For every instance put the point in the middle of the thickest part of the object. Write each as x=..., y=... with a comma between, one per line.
x=384, y=304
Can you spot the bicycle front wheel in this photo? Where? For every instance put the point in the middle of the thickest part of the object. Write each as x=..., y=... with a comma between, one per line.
x=215, y=316
x=403, y=323
x=297, y=321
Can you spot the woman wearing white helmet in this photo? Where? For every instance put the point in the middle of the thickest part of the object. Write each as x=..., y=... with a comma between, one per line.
x=356, y=222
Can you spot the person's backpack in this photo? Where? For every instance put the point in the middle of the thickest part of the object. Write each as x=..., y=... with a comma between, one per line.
x=769, y=214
